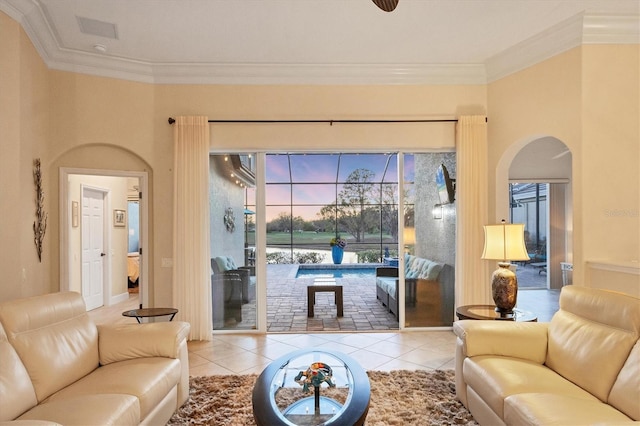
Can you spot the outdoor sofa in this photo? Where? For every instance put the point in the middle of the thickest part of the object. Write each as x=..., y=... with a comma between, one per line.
x=417, y=271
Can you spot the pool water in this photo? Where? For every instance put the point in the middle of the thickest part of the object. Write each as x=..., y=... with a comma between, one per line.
x=335, y=272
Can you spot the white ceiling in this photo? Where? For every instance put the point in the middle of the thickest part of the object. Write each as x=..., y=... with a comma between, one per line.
x=316, y=41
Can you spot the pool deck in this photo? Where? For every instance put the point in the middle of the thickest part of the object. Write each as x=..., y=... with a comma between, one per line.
x=287, y=303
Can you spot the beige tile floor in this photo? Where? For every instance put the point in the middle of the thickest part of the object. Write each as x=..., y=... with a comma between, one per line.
x=246, y=354
x=384, y=351
x=251, y=353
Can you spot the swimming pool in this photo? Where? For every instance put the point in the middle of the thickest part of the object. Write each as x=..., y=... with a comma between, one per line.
x=335, y=271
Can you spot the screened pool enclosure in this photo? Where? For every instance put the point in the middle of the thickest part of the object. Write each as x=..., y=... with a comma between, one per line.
x=381, y=205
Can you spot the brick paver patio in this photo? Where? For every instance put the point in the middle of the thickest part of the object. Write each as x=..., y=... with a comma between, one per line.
x=287, y=303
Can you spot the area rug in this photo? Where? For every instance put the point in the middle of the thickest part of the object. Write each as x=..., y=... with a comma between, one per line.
x=399, y=397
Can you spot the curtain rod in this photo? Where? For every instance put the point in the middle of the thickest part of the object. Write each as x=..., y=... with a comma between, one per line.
x=330, y=122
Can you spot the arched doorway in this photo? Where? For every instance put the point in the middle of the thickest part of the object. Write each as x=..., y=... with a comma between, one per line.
x=89, y=165
x=543, y=165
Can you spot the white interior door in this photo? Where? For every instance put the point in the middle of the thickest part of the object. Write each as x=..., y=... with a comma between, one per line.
x=93, y=250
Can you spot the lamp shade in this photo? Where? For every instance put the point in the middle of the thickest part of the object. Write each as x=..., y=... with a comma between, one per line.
x=409, y=236
x=504, y=242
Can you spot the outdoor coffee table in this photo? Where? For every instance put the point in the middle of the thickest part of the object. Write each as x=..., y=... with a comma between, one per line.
x=150, y=312
x=278, y=399
x=320, y=285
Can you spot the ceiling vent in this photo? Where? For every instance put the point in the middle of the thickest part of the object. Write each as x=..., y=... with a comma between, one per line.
x=97, y=28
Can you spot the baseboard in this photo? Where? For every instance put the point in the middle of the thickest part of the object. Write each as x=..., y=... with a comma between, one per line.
x=122, y=297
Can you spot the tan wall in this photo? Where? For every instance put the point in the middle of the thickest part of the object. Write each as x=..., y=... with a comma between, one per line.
x=106, y=124
x=624, y=278
x=103, y=123
x=611, y=153
x=24, y=119
x=543, y=100
x=74, y=120
x=588, y=99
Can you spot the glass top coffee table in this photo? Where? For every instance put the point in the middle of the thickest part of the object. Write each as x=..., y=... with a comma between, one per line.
x=312, y=387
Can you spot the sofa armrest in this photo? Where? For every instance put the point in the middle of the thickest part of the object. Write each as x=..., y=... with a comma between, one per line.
x=525, y=340
x=250, y=269
x=386, y=271
x=128, y=341
x=244, y=273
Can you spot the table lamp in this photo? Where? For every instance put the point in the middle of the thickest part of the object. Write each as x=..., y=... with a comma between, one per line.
x=409, y=238
x=504, y=242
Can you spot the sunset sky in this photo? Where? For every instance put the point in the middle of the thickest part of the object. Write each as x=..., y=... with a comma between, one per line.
x=314, y=177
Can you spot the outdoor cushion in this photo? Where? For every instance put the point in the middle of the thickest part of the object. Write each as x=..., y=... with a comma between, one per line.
x=417, y=267
x=433, y=270
x=225, y=263
x=388, y=284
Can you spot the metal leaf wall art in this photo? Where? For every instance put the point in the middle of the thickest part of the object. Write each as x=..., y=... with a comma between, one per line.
x=40, y=225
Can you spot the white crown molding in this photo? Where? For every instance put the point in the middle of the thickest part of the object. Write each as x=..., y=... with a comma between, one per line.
x=100, y=65
x=557, y=39
x=573, y=32
x=608, y=29
x=12, y=11
x=31, y=18
x=581, y=29
x=230, y=74
x=360, y=74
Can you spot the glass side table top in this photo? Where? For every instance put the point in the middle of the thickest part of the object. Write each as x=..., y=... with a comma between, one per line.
x=150, y=312
x=312, y=387
x=488, y=312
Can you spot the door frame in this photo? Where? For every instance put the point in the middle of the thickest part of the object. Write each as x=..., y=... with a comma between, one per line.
x=544, y=174
x=65, y=226
x=261, y=234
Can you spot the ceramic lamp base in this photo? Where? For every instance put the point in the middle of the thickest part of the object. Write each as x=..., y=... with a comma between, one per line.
x=504, y=288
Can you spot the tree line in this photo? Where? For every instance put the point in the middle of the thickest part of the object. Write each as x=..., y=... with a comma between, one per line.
x=361, y=207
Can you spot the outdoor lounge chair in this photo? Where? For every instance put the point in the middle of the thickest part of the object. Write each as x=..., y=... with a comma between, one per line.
x=225, y=265
x=226, y=295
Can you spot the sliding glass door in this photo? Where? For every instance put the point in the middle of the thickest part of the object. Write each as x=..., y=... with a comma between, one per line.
x=232, y=180
x=389, y=208
x=429, y=239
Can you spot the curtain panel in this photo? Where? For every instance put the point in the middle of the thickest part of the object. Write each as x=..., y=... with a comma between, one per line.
x=191, y=248
x=472, y=273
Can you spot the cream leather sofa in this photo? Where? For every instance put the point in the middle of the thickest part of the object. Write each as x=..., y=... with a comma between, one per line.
x=58, y=367
x=582, y=368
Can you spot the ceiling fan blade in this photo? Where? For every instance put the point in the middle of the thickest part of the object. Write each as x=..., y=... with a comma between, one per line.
x=386, y=5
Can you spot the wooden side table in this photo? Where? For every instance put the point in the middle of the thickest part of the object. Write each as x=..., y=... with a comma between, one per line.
x=488, y=312
x=150, y=312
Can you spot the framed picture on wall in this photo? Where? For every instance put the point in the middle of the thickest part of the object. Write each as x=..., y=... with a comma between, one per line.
x=119, y=218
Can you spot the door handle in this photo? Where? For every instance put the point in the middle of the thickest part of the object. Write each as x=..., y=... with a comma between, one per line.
x=103, y=254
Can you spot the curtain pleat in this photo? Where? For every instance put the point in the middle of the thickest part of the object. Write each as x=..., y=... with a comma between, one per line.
x=472, y=276
x=191, y=248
